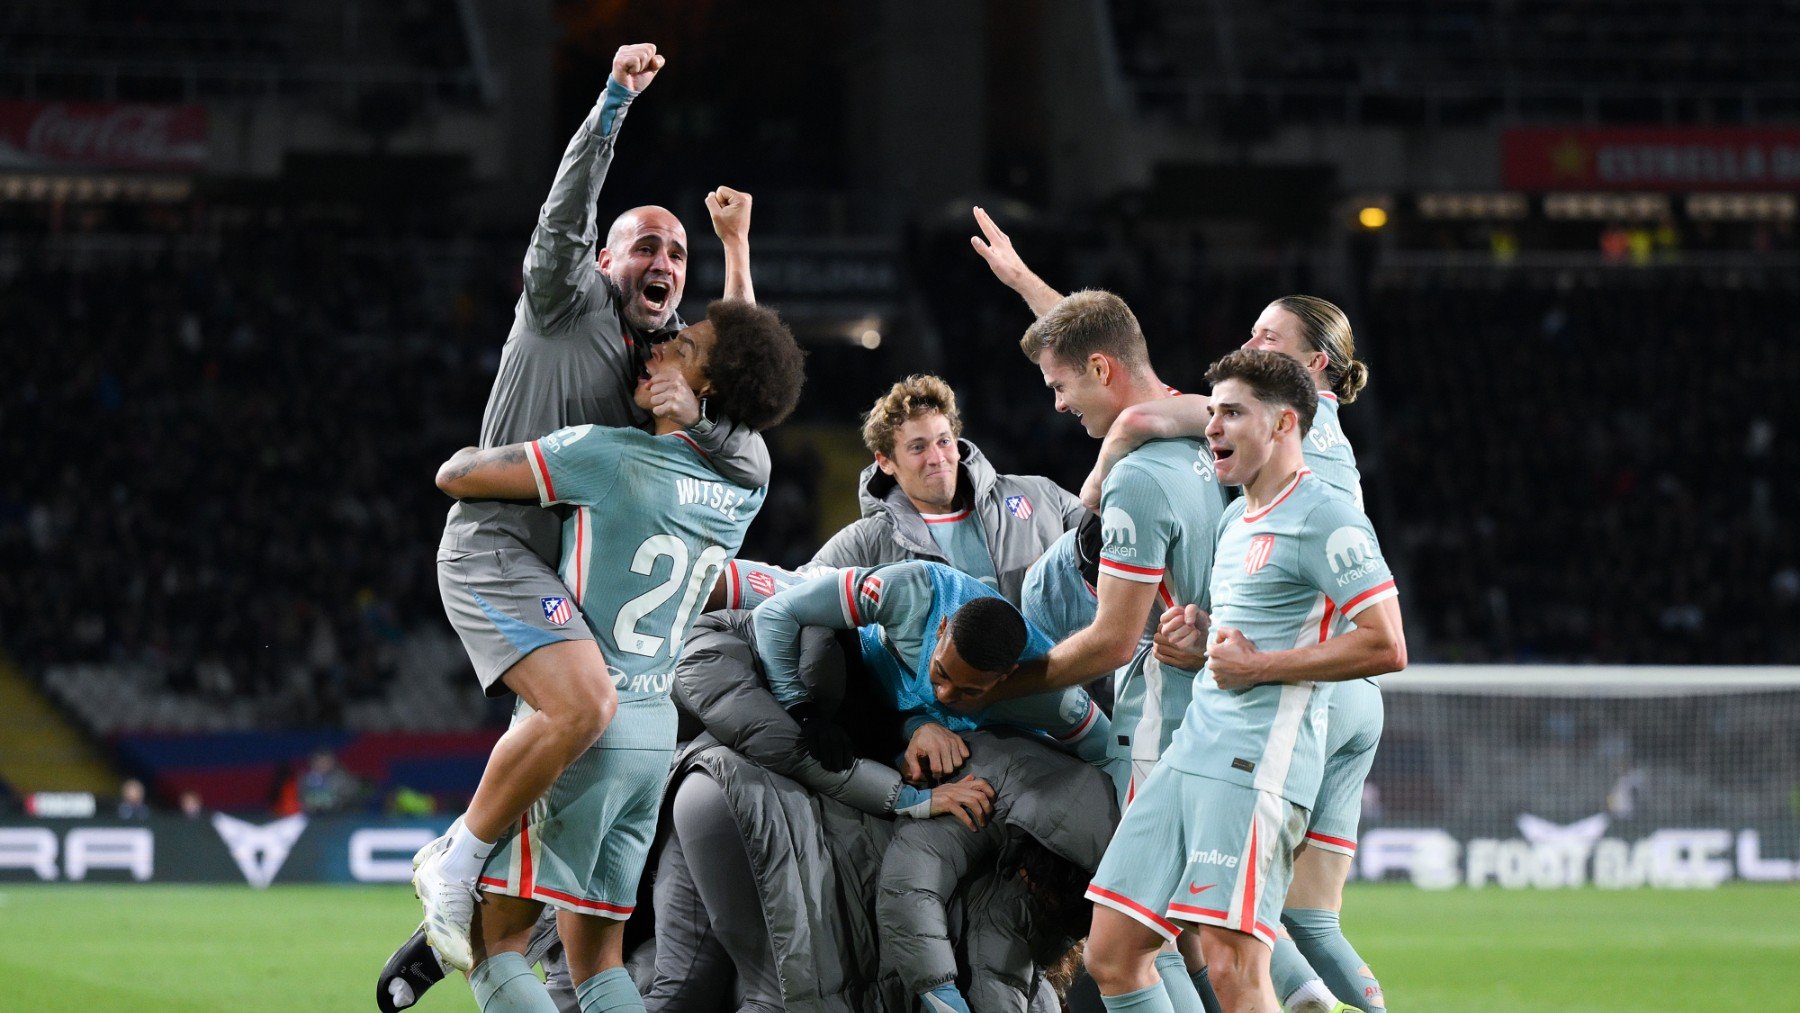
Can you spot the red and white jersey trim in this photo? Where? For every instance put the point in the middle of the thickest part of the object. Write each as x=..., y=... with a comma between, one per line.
x=1380, y=592
x=1287, y=491
x=540, y=473
x=1141, y=574
x=961, y=515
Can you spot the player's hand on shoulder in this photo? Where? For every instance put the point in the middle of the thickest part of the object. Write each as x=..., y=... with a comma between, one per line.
x=970, y=800
x=730, y=213
x=934, y=752
x=635, y=66
x=1232, y=659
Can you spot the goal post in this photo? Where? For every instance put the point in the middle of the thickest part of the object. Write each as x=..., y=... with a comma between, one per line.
x=1568, y=775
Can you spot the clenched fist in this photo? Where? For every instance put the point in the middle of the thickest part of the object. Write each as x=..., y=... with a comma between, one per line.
x=730, y=213
x=635, y=66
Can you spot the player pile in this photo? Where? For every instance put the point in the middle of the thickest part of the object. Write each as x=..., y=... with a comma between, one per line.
x=1216, y=584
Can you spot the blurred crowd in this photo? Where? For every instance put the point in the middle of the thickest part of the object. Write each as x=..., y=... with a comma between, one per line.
x=1590, y=473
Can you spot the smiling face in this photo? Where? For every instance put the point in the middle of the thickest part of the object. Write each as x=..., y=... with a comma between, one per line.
x=646, y=258
x=686, y=354
x=1243, y=432
x=1280, y=330
x=1081, y=390
x=924, y=462
x=955, y=682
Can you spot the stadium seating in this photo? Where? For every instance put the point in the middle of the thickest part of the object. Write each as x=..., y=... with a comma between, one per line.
x=1399, y=61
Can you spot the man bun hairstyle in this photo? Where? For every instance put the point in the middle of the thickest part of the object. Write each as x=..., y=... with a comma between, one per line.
x=989, y=634
x=1274, y=378
x=756, y=368
x=918, y=394
x=1085, y=322
x=1327, y=329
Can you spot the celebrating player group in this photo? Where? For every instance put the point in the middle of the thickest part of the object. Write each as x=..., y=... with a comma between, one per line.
x=998, y=746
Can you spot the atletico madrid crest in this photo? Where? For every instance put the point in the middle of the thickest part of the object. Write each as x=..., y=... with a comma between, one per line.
x=1261, y=548
x=762, y=583
x=557, y=610
x=1019, y=507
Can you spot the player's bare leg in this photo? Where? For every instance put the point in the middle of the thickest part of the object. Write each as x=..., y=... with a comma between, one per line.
x=1238, y=964
x=502, y=980
x=1194, y=964
x=1121, y=957
x=1310, y=920
x=568, y=687
x=594, y=947
x=572, y=696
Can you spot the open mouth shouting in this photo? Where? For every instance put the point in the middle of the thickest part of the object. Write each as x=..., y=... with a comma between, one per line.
x=1222, y=454
x=655, y=296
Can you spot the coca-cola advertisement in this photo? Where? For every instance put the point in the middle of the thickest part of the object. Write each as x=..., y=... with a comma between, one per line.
x=114, y=135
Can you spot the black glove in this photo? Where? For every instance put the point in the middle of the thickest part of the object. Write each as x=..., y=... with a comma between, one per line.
x=825, y=741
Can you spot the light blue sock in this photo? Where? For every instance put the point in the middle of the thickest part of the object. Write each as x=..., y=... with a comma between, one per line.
x=1319, y=936
x=1154, y=999
x=1288, y=969
x=503, y=983
x=611, y=989
x=1177, y=984
x=1209, y=1000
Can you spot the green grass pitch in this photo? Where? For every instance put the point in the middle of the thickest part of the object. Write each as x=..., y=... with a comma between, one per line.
x=318, y=948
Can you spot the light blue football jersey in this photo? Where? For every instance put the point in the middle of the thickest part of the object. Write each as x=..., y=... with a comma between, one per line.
x=652, y=528
x=963, y=543
x=896, y=609
x=1290, y=575
x=749, y=583
x=1159, y=512
x=1328, y=451
x=1056, y=598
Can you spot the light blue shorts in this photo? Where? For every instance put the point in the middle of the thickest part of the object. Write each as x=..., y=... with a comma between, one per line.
x=582, y=846
x=1353, y=733
x=1196, y=849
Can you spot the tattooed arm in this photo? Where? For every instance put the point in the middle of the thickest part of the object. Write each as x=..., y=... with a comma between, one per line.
x=496, y=473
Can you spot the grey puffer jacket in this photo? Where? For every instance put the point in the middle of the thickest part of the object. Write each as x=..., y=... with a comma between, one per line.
x=939, y=881
x=891, y=529
x=816, y=839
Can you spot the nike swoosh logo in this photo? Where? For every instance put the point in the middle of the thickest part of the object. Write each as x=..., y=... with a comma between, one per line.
x=1200, y=889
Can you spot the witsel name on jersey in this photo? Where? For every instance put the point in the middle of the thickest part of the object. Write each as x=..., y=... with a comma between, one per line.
x=716, y=495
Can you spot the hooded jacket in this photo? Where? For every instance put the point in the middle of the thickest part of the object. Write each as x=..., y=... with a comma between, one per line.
x=1021, y=516
x=815, y=839
x=941, y=882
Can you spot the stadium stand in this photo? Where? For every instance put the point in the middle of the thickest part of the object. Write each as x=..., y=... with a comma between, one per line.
x=1468, y=61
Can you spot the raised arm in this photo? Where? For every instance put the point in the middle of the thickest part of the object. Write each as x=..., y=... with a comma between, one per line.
x=495, y=473
x=730, y=213
x=560, y=263
x=1010, y=268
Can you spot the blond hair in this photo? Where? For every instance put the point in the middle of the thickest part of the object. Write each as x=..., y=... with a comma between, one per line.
x=1327, y=330
x=912, y=397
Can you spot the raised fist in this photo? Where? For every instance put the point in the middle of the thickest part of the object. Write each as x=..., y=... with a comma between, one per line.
x=730, y=212
x=635, y=66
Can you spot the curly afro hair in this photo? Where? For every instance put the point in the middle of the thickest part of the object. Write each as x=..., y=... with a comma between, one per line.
x=756, y=367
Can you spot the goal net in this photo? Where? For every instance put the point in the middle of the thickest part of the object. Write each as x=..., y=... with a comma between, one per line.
x=1560, y=776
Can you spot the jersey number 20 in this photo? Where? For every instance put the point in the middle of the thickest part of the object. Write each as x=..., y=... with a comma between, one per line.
x=705, y=570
